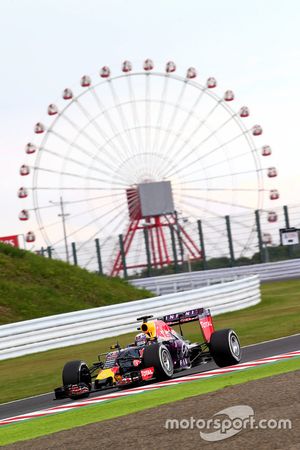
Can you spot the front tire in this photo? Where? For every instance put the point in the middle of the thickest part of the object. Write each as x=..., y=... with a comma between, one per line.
x=159, y=357
x=75, y=372
x=225, y=348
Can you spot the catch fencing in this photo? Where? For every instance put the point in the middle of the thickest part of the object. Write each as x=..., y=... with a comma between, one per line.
x=254, y=238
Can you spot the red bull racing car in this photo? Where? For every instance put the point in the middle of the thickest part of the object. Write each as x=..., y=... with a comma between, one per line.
x=157, y=353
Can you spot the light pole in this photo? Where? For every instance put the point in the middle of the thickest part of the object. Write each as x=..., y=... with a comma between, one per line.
x=63, y=216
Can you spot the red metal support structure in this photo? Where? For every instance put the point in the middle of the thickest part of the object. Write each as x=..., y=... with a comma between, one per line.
x=146, y=212
x=152, y=247
x=168, y=260
x=157, y=228
x=160, y=254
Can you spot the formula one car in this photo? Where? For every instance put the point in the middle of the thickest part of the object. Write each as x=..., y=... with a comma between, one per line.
x=156, y=354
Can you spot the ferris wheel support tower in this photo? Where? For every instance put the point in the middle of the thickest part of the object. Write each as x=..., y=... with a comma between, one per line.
x=151, y=209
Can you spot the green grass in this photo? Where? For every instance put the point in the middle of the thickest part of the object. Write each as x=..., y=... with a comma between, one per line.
x=277, y=315
x=32, y=286
x=120, y=407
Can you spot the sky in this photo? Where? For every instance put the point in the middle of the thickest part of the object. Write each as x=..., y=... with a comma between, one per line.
x=250, y=47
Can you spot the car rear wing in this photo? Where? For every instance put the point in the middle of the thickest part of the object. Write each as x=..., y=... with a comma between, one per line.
x=187, y=316
x=201, y=315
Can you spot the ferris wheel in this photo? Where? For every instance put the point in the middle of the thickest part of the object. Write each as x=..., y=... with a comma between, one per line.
x=140, y=150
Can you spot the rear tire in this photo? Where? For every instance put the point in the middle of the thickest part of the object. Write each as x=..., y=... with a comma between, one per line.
x=225, y=348
x=75, y=372
x=159, y=357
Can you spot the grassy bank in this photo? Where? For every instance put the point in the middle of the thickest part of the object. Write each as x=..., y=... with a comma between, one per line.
x=32, y=286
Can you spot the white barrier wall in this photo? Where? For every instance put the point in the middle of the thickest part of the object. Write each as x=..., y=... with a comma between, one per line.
x=166, y=284
x=63, y=330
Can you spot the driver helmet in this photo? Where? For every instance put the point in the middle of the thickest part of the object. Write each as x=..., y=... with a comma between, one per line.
x=140, y=339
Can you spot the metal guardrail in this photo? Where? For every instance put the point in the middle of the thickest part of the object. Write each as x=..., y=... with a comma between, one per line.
x=89, y=325
x=167, y=284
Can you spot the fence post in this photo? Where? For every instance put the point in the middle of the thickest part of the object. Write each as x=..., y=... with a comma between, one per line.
x=259, y=236
x=123, y=255
x=230, y=243
x=202, y=246
x=174, y=248
x=179, y=238
x=49, y=251
x=286, y=216
x=98, y=252
x=287, y=225
x=74, y=253
x=148, y=255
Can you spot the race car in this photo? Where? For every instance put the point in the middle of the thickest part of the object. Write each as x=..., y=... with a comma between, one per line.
x=156, y=354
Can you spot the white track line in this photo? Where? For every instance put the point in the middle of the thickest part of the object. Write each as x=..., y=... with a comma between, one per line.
x=117, y=394
x=272, y=340
x=26, y=398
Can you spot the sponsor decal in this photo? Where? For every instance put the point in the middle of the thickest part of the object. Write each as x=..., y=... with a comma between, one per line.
x=147, y=373
x=136, y=362
x=205, y=324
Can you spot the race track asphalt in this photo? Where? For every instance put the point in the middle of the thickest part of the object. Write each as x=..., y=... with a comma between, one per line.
x=252, y=352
